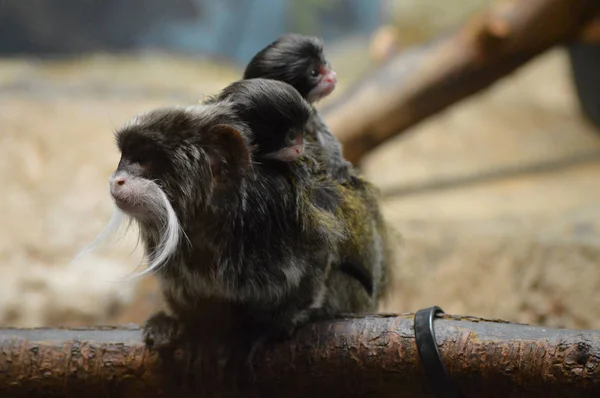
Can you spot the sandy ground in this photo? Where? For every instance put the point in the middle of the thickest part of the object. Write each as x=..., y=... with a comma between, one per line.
x=524, y=248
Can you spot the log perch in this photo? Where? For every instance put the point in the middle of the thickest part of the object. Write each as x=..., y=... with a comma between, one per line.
x=373, y=356
x=422, y=81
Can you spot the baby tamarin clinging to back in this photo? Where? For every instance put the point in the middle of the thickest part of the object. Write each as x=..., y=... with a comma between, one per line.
x=247, y=247
x=300, y=61
x=359, y=198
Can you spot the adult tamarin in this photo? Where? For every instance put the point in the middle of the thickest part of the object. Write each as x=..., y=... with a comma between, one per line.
x=247, y=247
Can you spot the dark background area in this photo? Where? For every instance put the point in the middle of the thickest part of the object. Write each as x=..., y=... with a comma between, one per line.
x=230, y=29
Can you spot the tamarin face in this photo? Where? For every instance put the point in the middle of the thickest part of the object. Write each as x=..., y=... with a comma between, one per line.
x=297, y=60
x=183, y=155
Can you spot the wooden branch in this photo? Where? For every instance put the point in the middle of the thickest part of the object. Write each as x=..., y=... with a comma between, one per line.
x=418, y=83
x=359, y=357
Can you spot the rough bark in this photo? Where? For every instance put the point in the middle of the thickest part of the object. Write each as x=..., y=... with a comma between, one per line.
x=420, y=82
x=358, y=357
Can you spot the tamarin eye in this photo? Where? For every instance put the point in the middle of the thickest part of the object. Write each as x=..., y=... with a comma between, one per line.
x=140, y=157
x=144, y=157
x=314, y=72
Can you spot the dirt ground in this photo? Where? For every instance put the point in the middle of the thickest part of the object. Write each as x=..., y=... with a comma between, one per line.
x=514, y=234
x=524, y=247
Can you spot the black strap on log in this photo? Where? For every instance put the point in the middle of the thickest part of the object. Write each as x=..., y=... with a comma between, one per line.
x=430, y=357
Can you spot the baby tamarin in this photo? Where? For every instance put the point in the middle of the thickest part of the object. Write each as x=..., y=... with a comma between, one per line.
x=300, y=61
x=244, y=244
x=291, y=146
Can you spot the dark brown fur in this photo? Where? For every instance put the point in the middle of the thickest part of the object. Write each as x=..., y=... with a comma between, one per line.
x=266, y=242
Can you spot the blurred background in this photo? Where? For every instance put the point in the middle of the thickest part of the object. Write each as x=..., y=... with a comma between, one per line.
x=524, y=247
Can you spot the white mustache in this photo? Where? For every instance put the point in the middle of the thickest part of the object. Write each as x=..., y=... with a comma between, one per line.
x=170, y=232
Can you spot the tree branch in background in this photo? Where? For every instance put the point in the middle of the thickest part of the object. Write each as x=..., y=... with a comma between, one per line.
x=422, y=81
x=359, y=357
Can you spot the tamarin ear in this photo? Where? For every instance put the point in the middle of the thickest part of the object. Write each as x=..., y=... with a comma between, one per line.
x=229, y=153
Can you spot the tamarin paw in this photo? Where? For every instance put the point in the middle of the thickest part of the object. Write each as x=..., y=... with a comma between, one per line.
x=160, y=331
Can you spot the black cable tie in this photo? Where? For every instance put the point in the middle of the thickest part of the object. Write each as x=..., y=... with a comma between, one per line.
x=435, y=370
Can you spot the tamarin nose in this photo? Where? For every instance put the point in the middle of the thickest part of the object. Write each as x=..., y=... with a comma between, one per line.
x=331, y=77
x=117, y=181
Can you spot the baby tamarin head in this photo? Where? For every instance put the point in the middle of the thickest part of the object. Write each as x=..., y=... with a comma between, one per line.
x=275, y=113
x=185, y=169
x=297, y=60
